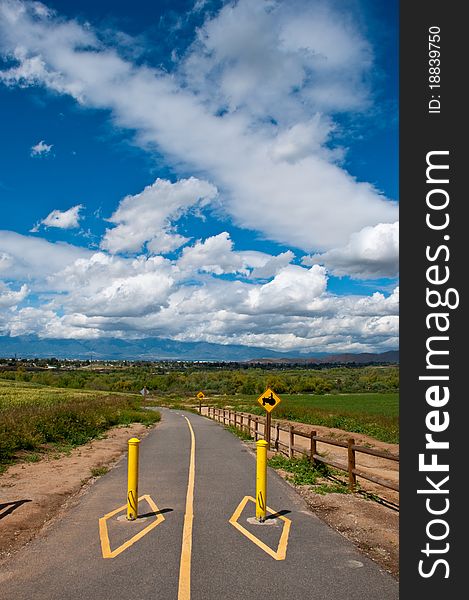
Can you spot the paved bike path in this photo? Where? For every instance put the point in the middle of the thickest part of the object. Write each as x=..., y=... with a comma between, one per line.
x=220, y=562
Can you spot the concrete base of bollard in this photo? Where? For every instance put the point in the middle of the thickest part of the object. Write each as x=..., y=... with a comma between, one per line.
x=255, y=521
x=124, y=519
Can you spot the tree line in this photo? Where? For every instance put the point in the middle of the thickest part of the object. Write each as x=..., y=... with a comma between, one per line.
x=189, y=380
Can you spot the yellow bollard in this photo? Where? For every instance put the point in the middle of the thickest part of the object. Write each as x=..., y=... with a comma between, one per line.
x=261, y=480
x=132, y=479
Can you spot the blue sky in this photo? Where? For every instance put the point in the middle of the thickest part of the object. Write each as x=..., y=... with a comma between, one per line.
x=218, y=171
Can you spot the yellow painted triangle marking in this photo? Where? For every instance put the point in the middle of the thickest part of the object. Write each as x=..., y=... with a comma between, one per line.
x=104, y=536
x=281, y=551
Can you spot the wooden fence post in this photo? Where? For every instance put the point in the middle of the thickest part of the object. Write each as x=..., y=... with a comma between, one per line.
x=291, y=437
x=249, y=424
x=267, y=428
x=312, y=447
x=277, y=435
x=352, y=480
x=256, y=428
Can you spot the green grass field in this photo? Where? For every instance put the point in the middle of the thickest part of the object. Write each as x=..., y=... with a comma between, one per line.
x=33, y=417
x=376, y=415
x=373, y=404
x=373, y=414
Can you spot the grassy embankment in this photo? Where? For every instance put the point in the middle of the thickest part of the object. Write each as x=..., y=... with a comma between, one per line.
x=35, y=418
x=373, y=414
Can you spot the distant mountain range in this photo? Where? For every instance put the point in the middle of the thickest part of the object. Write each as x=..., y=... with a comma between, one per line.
x=164, y=349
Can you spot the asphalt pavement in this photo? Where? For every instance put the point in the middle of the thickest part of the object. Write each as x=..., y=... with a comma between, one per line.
x=194, y=478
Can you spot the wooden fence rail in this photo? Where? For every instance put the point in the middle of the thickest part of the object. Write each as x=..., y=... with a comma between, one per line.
x=250, y=424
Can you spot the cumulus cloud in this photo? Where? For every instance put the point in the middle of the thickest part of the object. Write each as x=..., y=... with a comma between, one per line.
x=98, y=294
x=255, y=53
x=147, y=217
x=214, y=255
x=220, y=312
x=86, y=294
x=245, y=138
x=129, y=296
x=103, y=285
x=66, y=219
x=293, y=290
x=371, y=253
x=30, y=258
x=271, y=265
x=9, y=297
x=301, y=139
x=45, y=323
x=41, y=149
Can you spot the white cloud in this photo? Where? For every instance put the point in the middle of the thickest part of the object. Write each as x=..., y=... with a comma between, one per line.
x=41, y=149
x=84, y=294
x=294, y=290
x=371, y=253
x=30, y=258
x=214, y=255
x=128, y=296
x=45, y=323
x=271, y=265
x=219, y=312
x=104, y=285
x=66, y=219
x=6, y=261
x=375, y=305
x=301, y=139
x=259, y=166
x=9, y=297
x=281, y=59
x=147, y=216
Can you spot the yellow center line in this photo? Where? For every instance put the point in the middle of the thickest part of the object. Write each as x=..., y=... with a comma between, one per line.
x=184, y=591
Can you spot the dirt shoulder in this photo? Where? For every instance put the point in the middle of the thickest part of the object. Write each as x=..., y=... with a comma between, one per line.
x=372, y=527
x=32, y=495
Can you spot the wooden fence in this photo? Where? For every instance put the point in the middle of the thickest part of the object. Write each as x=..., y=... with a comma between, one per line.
x=250, y=424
